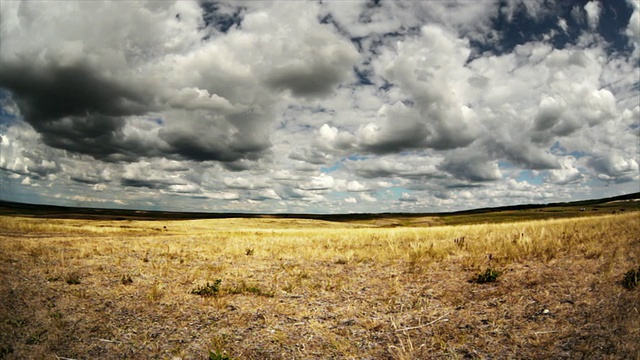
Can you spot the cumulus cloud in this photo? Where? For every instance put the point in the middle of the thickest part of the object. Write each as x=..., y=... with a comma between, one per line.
x=355, y=186
x=615, y=166
x=633, y=27
x=567, y=174
x=593, y=9
x=367, y=197
x=471, y=167
x=351, y=200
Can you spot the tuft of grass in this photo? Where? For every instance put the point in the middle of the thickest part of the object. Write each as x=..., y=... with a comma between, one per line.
x=208, y=290
x=488, y=276
x=218, y=355
x=5, y=350
x=17, y=322
x=631, y=278
x=73, y=278
x=460, y=242
x=245, y=288
x=37, y=337
x=156, y=292
x=126, y=280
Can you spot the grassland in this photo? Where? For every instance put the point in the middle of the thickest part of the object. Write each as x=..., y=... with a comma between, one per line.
x=312, y=289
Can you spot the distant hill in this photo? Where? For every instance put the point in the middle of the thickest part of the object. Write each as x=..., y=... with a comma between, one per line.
x=581, y=203
x=562, y=209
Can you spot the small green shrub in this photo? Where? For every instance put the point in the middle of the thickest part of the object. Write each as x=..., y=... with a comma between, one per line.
x=631, y=278
x=488, y=276
x=208, y=289
x=56, y=315
x=36, y=338
x=218, y=355
x=17, y=322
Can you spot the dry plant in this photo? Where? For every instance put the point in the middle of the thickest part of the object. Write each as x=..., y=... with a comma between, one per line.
x=315, y=290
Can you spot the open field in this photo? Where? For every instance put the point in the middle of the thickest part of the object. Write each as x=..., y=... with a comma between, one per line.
x=312, y=289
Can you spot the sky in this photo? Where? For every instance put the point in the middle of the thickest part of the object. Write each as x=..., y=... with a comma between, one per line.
x=318, y=107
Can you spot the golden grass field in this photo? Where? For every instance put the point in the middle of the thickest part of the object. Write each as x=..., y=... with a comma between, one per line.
x=308, y=289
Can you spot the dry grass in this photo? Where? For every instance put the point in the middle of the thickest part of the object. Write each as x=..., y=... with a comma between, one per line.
x=314, y=290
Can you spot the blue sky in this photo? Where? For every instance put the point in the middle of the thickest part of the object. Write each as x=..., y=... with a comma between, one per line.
x=318, y=107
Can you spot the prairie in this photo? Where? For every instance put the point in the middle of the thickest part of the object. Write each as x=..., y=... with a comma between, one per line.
x=269, y=288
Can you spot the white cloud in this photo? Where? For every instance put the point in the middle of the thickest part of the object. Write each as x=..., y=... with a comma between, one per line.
x=367, y=197
x=562, y=23
x=350, y=200
x=355, y=186
x=593, y=9
x=633, y=28
x=568, y=173
x=322, y=182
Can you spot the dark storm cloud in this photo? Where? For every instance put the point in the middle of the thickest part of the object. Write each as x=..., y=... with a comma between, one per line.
x=522, y=154
x=151, y=183
x=225, y=140
x=197, y=148
x=143, y=183
x=72, y=107
x=471, y=167
x=55, y=91
x=397, y=138
x=304, y=81
x=86, y=180
x=312, y=156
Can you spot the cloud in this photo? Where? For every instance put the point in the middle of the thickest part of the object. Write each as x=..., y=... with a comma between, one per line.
x=472, y=167
x=267, y=194
x=141, y=174
x=395, y=166
x=355, y=186
x=438, y=118
x=568, y=173
x=77, y=99
x=593, y=9
x=322, y=182
x=406, y=197
x=351, y=200
x=562, y=23
x=615, y=166
x=368, y=198
x=633, y=28
x=55, y=101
